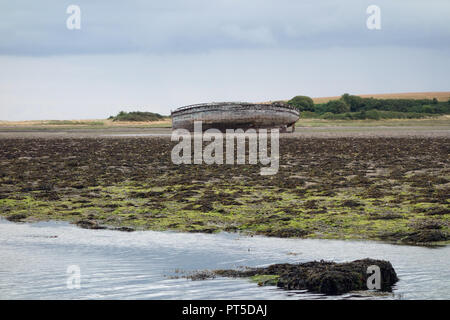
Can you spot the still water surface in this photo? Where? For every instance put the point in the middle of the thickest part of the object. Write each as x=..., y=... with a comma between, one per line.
x=141, y=265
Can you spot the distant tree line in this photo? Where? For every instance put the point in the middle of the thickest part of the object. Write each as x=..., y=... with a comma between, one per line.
x=137, y=116
x=355, y=107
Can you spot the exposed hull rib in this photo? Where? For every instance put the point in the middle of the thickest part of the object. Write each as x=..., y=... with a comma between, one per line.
x=235, y=115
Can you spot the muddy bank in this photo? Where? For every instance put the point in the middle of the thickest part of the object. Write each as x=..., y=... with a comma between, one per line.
x=312, y=128
x=391, y=189
x=317, y=276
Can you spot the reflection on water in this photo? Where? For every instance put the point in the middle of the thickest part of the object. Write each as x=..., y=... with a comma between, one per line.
x=140, y=265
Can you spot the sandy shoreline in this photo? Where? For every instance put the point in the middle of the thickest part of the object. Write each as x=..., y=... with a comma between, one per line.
x=302, y=132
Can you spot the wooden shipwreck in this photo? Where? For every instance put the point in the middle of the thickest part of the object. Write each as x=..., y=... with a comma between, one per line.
x=236, y=115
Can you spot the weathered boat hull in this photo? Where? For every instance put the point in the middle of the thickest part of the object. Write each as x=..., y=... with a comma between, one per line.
x=235, y=115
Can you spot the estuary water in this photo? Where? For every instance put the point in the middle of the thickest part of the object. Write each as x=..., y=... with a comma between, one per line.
x=35, y=257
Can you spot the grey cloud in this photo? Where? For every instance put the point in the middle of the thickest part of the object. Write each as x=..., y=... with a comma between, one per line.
x=38, y=27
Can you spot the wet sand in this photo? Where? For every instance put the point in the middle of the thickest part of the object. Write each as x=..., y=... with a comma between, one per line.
x=308, y=132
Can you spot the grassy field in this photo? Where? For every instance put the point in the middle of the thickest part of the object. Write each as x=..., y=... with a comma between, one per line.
x=439, y=121
x=83, y=124
x=441, y=96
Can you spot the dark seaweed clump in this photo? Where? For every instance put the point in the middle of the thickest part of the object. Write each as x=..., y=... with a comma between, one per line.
x=322, y=276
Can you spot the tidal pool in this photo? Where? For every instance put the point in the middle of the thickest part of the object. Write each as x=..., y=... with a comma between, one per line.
x=35, y=257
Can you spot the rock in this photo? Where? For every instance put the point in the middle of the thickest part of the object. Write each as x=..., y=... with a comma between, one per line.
x=351, y=203
x=124, y=229
x=426, y=236
x=89, y=224
x=16, y=217
x=417, y=237
x=202, y=275
x=285, y=233
x=437, y=211
x=322, y=276
x=333, y=282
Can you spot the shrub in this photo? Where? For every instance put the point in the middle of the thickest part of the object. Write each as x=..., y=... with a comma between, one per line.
x=308, y=115
x=355, y=107
x=137, y=116
x=355, y=103
x=302, y=103
x=427, y=109
x=372, y=114
x=337, y=106
x=329, y=116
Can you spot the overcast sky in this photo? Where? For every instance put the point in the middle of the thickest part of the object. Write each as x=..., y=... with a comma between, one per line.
x=158, y=55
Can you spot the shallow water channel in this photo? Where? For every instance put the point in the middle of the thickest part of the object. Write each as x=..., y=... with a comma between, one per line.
x=34, y=259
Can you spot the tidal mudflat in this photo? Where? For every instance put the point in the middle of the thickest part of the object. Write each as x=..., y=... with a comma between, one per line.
x=354, y=186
